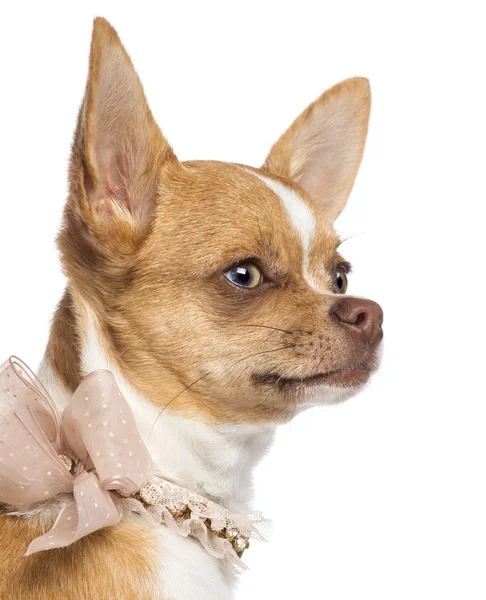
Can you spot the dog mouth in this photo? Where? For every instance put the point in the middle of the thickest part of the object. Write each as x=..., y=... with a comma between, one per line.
x=348, y=377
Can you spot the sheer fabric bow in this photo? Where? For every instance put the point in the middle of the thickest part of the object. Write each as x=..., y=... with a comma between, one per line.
x=97, y=431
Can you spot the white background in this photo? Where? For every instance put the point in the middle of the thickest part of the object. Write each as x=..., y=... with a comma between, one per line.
x=383, y=497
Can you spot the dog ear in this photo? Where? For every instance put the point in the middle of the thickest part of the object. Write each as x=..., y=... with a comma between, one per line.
x=118, y=148
x=322, y=149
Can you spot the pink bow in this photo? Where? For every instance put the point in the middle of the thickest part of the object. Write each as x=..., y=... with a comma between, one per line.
x=97, y=431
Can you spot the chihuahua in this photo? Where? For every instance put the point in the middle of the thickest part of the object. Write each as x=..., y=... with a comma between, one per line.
x=215, y=294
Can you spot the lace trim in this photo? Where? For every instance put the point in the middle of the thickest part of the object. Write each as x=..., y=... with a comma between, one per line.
x=223, y=534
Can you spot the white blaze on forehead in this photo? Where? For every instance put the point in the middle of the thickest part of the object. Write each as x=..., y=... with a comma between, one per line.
x=302, y=219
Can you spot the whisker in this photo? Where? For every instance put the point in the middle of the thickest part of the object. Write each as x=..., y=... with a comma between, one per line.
x=276, y=328
x=139, y=339
x=209, y=373
x=254, y=341
x=174, y=398
x=262, y=239
x=235, y=353
x=350, y=237
x=266, y=352
x=266, y=327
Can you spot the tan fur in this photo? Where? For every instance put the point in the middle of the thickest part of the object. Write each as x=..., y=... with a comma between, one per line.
x=62, y=351
x=109, y=564
x=144, y=243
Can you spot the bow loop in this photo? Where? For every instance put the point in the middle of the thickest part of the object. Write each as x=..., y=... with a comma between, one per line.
x=21, y=391
x=30, y=468
x=100, y=428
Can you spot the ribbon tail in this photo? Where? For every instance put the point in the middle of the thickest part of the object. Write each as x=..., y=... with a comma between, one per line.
x=62, y=533
x=93, y=508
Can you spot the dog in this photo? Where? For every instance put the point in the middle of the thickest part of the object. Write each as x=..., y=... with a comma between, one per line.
x=215, y=294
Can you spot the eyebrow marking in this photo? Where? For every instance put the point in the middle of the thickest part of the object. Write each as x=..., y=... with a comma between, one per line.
x=302, y=219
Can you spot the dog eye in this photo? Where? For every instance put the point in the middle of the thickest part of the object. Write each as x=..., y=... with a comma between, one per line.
x=340, y=282
x=245, y=275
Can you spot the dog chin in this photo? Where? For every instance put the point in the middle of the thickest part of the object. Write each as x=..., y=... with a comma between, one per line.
x=336, y=392
x=325, y=394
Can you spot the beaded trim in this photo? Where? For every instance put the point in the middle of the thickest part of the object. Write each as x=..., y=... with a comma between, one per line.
x=215, y=518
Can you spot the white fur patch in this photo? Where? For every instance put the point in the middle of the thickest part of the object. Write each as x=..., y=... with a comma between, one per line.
x=302, y=219
x=189, y=572
x=56, y=389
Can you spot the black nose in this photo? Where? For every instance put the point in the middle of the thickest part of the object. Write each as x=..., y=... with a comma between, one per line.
x=364, y=317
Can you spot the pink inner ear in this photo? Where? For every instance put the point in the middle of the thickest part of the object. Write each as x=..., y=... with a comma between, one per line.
x=113, y=189
x=123, y=143
x=320, y=171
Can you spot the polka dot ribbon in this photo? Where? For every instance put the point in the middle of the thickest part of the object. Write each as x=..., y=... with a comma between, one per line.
x=93, y=452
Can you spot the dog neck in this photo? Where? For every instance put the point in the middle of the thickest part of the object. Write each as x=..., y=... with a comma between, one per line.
x=214, y=461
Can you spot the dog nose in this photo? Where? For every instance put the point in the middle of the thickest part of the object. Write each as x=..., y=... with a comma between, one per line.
x=363, y=316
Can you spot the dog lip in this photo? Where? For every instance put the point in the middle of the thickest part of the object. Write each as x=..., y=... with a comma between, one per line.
x=350, y=376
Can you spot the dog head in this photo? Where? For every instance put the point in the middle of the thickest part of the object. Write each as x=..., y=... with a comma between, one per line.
x=218, y=288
